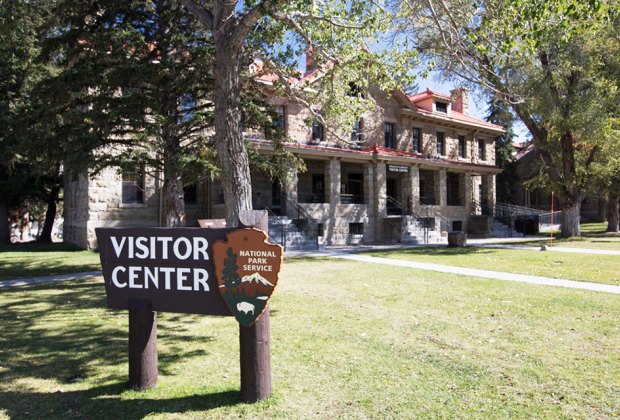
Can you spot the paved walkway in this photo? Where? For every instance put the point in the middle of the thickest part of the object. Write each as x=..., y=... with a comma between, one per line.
x=496, y=275
x=351, y=253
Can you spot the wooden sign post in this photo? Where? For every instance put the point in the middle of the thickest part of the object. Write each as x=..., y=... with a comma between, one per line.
x=254, y=341
x=142, y=345
x=220, y=271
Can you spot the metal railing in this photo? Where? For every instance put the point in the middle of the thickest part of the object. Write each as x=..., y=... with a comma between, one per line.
x=311, y=198
x=395, y=207
x=310, y=226
x=549, y=221
x=351, y=199
x=274, y=217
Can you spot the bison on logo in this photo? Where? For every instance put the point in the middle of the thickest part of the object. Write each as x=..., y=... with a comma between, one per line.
x=246, y=267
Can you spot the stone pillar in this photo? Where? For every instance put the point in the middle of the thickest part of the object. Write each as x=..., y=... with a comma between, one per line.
x=443, y=189
x=370, y=198
x=380, y=201
x=412, y=188
x=488, y=192
x=332, y=189
x=468, y=193
x=290, y=191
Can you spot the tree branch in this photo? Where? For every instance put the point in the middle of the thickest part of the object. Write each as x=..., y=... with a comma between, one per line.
x=203, y=14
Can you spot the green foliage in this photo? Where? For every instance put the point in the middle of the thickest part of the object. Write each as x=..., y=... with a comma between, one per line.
x=132, y=86
x=30, y=170
x=500, y=113
x=546, y=58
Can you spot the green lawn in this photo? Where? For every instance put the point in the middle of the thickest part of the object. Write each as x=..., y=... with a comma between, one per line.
x=581, y=267
x=30, y=260
x=349, y=340
x=593, y=236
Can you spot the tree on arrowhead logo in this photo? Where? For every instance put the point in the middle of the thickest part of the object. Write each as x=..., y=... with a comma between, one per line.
x=246, y=267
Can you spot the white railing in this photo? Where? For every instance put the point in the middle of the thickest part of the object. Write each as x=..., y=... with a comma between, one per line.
x=549, y=221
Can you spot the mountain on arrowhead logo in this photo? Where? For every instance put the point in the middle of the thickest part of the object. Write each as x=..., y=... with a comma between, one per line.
x=247, y=267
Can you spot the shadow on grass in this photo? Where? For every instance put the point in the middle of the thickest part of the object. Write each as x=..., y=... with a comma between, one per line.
x=63, y=332
x=33, y=260
x=104, y=402
x=40, y=247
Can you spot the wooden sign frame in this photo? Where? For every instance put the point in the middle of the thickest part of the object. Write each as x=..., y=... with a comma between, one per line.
x=172, y=269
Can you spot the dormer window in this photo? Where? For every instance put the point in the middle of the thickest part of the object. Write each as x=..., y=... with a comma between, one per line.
x=441, y=107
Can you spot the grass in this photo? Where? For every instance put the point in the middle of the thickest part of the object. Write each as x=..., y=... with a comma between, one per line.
x=593, y=236
x=30, y=260
x=350, y=340
x=580, y=267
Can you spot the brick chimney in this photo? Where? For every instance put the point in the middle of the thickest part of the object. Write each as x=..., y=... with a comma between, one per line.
x=309, y=60
x=460, y=100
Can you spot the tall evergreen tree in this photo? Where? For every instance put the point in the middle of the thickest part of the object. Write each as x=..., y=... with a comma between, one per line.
x=28, y=174
x=133, y=91
x=498, y=112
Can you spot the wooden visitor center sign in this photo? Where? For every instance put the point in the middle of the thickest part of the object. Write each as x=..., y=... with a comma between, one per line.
x=190, y=270
x=219, y=271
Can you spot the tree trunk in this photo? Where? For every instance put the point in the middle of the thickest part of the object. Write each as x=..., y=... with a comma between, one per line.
x=174, y=203
x=571, y=217
x=45, y=235
x=232, y=155
x=613, y=216
x=5, y=231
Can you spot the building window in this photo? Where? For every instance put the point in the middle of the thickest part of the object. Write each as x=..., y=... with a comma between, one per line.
x=356, y=228
x=388, y=129
x=427, y=187
x=441, y=143
x=280, y=117
x=453, y=187
x=481, y=150
x=417, y=140
x=441, y=107
x=462, y=147
x=133, y=187
x=318, y=132
x=356, y=134
x=190, y=194
x=352, y=192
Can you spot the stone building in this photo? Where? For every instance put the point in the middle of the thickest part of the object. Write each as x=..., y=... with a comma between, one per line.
x=417, y=167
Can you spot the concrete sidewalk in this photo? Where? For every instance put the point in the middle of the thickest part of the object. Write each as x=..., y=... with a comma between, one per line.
x=496, y=275
x=351, y=253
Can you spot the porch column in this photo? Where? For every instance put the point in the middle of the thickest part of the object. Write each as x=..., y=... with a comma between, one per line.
x=290, y=191
x=370, y=198
x=412, y=188
x=468, y=193
x=488, y=192
x=332, y=189
x=380, y=200
x=443, y=188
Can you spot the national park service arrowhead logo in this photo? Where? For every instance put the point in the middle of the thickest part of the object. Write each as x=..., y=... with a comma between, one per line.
x=246, y=267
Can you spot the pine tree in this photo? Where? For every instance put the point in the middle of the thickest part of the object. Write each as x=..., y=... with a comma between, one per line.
x=133, y=91
x=231, y=278
x=499, y=113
